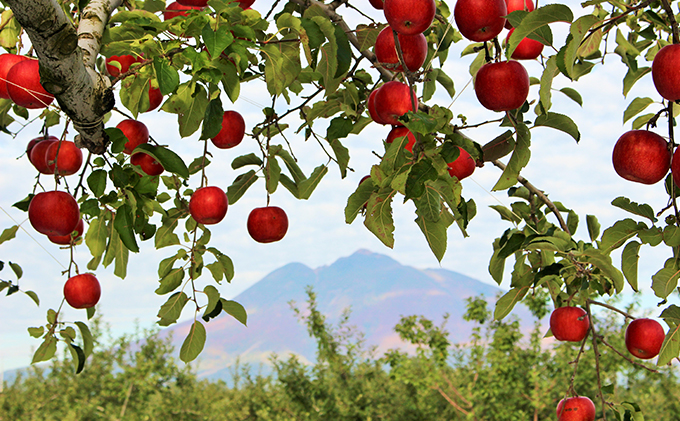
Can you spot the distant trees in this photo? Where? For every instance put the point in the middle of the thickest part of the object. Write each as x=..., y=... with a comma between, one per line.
x=499, y=374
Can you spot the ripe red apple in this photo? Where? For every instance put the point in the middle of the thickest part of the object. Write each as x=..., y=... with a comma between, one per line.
x=393, y=100
x=6, y=63
x=54, y=213
x=414, y=48
x=175, y=9
x=125, y=61
x=267, y=224
x=409, y=17
x=401, y=131
x=502, y=86
x=513, y=5
x=527, y=49
x=155, y=99
x=233, y=130
x=147, y=163
x=68, y=239
x=23, y=85
x=378, y=4
x=371, y=108
x=193, y=3
x=579, y=408
x=70, y=157
x=208, y=205
x=644, y=338
x=569, y=324
x=136, y=133
x=641, y=156
x=664, y=72
x=480, y=20
x=38, y=153
x=82, y=291
x=463, y=166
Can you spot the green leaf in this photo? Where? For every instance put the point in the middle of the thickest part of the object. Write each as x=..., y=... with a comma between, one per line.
x=379, y=217
x=357, y=200
x=78, y=357
x=671, y=236
x=243, y=160
x=216, y=41
x=16, y=269
x=96, y=238
x=545, y=90
x=560, y=122
x=46, y=350
x=240, y=185
x=435, y=231
x=569, y=53
x=273, y=173
x=189, y=103
x=632, y=76
x=617, y=235
x=573, y=95
x=194, y=342
x=225, y=263
x=9, y=233
x=306, y=187
x=169, y=159
x=642, y=210
x=421, y=172
x=339, y=128
x=593, y=227
x=429, y=204
x=212, y=122
x=536, y=20
x=604, y=263
x=116, y=250
x=665, y=280
x=165, y=235
x=642, y=120
x=33, y=296
x=636, y=107
x=36, y=332
x=166, y=75
x=518, y=160
x=629, y=263
x=123, y=223
x=172, y=308
x=671, y=344
x=507, y=302
x=86, y=336
x=97, y=182
x=171, y=281
x=499, y=147
x=235, y=310
x=213, y=300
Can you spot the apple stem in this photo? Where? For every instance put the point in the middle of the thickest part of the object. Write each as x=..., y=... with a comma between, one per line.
x=204, y=179
x=628, y=316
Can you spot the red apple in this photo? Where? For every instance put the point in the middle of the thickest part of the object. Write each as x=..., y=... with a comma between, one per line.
x=401, y=131
x=155, y=99
x=233, y=130
x=393, y=100
x=463, y=166
x=664, y=72
x=641, y=156
x=175, y=9
x=245, y=4
x=378, y=4
x=6, y=63
x=514, y=5
x=413, y=47
x=125, y=61
x=54, y=213
x=193, y=3
x=267, y=224
x=480, y=20
x=579, y=408
x=68, y=239
x=82, y=291
x=527, y=49
x=136, y=133
x=23, y=85
x=569, y=324
x=147, y=163
x=502, y=86
x=208, y=205
x=38, y=153
x=370, y=105
x=644, y=338
x=70, y=157
x=409, y=17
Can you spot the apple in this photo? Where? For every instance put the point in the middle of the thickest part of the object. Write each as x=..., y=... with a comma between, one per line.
x=371, y=108
x=233, y=130
x=527, y=49
x=413, y=47
x=569, y=324
x=82, y=291
x=6, y=63
x=175, y=9
x=38, y=153
x=409, y=17
x=54, y=213
x=208, y=205
x=641, y=156
x=644, y=338
x=378, y=4
x=136, y=133
x=267, y=224
x=245, y=4
x=125, y=61
x=480, y=20
x=193, y=3
x=70, y=238
x=155, y=99
x=463, y=166
x=23, y=85
x=401, y=131
x=393, y=100
x=147, y=163
x=578, y=408
x=502, y=86
x=664, y=72
x=514, y=5
x=70, y=157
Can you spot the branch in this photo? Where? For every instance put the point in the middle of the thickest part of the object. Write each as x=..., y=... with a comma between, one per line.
x=671, y=17
x=67, y=62
x=538, y=194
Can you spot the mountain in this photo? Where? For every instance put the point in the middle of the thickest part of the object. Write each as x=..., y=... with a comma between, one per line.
x=377, y=289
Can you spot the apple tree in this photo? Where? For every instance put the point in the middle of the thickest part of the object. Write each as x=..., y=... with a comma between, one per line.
x=335, y=77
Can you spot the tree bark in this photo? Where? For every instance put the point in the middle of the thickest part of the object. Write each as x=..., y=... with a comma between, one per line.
x=67, y=59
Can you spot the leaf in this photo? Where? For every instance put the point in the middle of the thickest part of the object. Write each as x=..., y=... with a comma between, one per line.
x=665, y=280
x=97, y=182
x=194, y=342
x=16, y=269
x=499, y=147
x=507, y=302
x=36, y=332
x=86, y=336
x=243, y=160
x=545, y=90
x=273, y=172
x=171, y=281
x=518, y=160
x=642, y=210
x=172, y=308
x=535, y=20
x=604, y=263
x=435, y=231
x=240, y=185
x=629, y=263
x=379, y=217
x=189, y=103
x=78, y=357
x=671, y=236
x=96, y=237
x=46, y=350
x=213, y=300
x=168, y=158
x=212, y=122
x=166, y=75
x=568, y=54
x=235, y=310
x=306, y=187
x=636, y=107
x=356, y=202
x=573, y=95
x=123, y=223
x=617, y=235
x=593, y=227
x=419, y=174
x=8, y=233
x=560, y=122
x=671, y=344
x=33, y=296
x=216, y=41
x=632, y=76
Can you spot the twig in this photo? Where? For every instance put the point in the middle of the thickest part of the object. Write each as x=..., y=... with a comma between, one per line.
x=627, y=358
x=674, y=23
x=597, y=363
x=451, y=401
x=611, y=308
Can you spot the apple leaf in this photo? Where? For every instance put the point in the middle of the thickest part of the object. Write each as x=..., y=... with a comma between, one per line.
x=230, y=79
x=123, y=223
x=169, y=159
x=617, y=235
x=499, y=147
x=189, y=103
x=213, y=301
x=518, y=160
x=171, y=281
x=243, y=160
x=9, y=233
x=421, y=172
x=33, y=296
x=306, y=187
x=235, y=310
x=212, y=122
x=97, y=236
x=573, y=95
x=225, y=264
x=665, y=280
x=435, y=230
x=507, y=302
x=166, y=75
x=545, y=90
x=632, y=76
x=604, y=263
x=511, y=245
x=367, y=35
x=272, y=172
x=46, y=350
x=429, y=205
x=635, y=208
x=357, y=200
x=536, y=19
x=194, y=342
x=86, y=336
x=97, y=182
x=636, y=106
x=341, y=156
x=593, y=227
x=379, y=216
x=116, y=250
x=172, y=308
x=134, y=93
x=290, y=163
x=497, y=263
x=629, y=263
x=569, y=53
x=642, y=120
x=240, y=185
x=216, y=40
x=671, y=236
x=671, y=344
x=559, y=122
x=165, y=235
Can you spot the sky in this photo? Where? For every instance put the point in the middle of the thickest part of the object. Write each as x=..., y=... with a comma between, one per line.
x=579, y=175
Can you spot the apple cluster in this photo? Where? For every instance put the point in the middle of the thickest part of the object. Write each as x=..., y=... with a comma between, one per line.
x=20, y=82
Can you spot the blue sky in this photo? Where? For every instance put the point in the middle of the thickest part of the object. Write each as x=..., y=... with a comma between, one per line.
x=579, y=175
